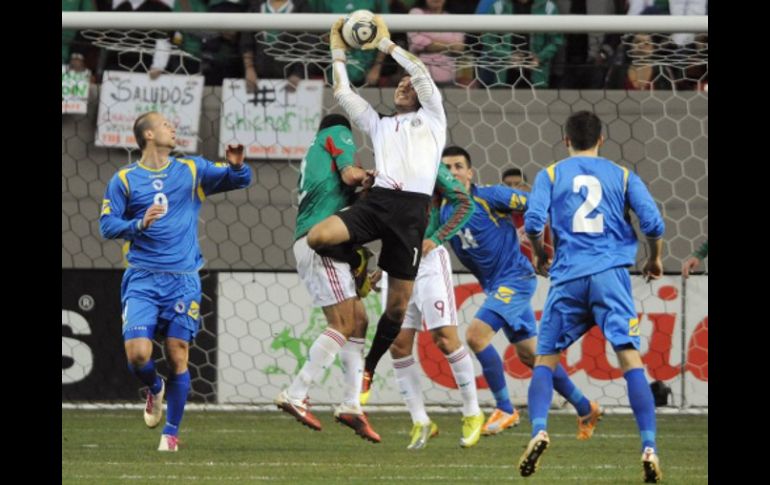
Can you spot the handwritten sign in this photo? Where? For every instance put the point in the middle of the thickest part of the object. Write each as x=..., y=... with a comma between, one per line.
x=126, y=95
x=74, y=90
x=272, y=122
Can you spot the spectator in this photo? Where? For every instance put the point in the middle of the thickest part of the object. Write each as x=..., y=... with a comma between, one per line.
x=639, y=69
x=221, y=51
x=257, y=62
x=436, y=49
x=73, y=46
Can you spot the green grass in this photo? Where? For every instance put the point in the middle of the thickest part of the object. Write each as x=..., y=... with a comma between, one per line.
x=103, y=447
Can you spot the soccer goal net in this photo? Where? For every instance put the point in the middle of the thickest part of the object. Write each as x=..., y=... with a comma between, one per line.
x=507, y=88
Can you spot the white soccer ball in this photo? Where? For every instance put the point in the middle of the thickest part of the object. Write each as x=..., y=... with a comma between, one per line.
x=359, y=28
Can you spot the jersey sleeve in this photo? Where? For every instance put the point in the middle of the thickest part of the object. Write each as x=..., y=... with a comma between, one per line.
x=456, y=195
x=357, y=108
x=505, y=199
x=113, y=223
x=641, y=202
x=339, y=143
x=538, y=205
x=221, y=176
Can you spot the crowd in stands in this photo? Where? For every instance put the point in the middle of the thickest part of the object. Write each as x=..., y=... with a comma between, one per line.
x=634, y=61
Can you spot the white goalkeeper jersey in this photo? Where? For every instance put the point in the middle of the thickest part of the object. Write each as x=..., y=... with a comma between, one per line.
x=408, y=146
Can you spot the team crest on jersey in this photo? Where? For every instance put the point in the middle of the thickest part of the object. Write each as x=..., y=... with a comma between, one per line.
x=179, y=307
x=416, y=122
x=157, y=184
x=194, y=311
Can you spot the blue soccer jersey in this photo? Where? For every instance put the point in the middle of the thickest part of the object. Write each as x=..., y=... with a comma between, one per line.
x=488, y=245
x=170, y=244
x=587, y=200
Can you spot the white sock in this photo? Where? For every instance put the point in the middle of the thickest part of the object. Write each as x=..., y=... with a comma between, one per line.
x=408, y=380
x=465, y=377
x=320, y=357
x=352, y=359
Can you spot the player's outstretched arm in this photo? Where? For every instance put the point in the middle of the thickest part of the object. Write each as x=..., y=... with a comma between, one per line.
x=427, y=91
x=356, y=107
x=221, y=177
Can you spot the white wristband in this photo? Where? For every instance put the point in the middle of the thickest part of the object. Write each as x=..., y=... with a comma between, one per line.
x=339, y=55
x=385, y=44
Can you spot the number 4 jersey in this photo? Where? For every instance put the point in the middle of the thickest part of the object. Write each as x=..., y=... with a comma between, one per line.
x=488, y=245
x=588, y=201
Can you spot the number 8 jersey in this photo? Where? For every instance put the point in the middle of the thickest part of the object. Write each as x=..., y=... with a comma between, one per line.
x=588, y=199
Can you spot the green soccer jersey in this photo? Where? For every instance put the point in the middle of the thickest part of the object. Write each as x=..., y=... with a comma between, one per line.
x=321, y=189
x=449, y=189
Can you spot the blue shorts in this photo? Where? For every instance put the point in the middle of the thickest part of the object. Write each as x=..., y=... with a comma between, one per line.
x=573, y=307
x=509, y=307
x=163, y=304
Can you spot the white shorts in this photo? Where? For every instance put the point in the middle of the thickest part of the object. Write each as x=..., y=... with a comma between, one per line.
x=433, y=297
x=328, y=281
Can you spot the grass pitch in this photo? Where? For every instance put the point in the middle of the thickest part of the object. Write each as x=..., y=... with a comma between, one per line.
x=105, y=447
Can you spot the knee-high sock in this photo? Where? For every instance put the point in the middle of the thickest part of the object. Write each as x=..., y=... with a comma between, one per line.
x=492, y=366
x=408, y=380
x=176, y=397
x=564, y=386
x=387, y=331
x=320, y=357
x=643, y=405
x=539, y=397
x=352, y=359
x=465, y=377
x=147, y=375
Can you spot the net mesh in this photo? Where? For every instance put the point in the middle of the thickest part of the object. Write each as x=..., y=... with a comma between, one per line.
x=258, y=321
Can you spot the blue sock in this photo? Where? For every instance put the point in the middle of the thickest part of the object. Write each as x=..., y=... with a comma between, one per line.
x=564, y=386
x=176, y=396
x=147, y=375
x=539, y=397
x=643, y=404
x=492, y=366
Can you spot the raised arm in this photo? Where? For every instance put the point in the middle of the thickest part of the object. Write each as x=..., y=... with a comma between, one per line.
x=358, y=110
x=426, y=89
x=221, y=177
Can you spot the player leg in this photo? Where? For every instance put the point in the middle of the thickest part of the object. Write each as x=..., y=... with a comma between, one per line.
x=479, y=336
x=181, y=308
x=351, y=355
x=140, y=316
x=330, y=284
x=615, y=313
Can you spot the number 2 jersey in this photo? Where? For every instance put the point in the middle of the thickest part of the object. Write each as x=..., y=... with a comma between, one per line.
x=170, y=244
x=588, y=201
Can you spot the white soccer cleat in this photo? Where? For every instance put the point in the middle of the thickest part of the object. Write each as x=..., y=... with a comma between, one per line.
x=299, y=409
x=530, y=460
x=168, y=443
x=651, y=466
x=153, y=410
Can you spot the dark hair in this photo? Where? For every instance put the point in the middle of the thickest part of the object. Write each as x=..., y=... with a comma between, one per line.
x=583, y=129
x=142, y=124
x=332, y=120
x=454, y=150
x=514, y=172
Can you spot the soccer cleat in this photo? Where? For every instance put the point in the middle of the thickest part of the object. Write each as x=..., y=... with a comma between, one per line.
x=299, y=409
x=500, y=421
x=420, y=435
x=153, y=410
x=587, y=424
x=529, y=461
x=168, y=443
x=366, y=387
x=356, y=419
x=361, y=276
x=471, y=430
x=651, y=466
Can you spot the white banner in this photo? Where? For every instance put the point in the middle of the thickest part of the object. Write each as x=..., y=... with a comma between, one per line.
x=274, y=121
x=266, y=326
x=74, y=90
x=126, y=95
